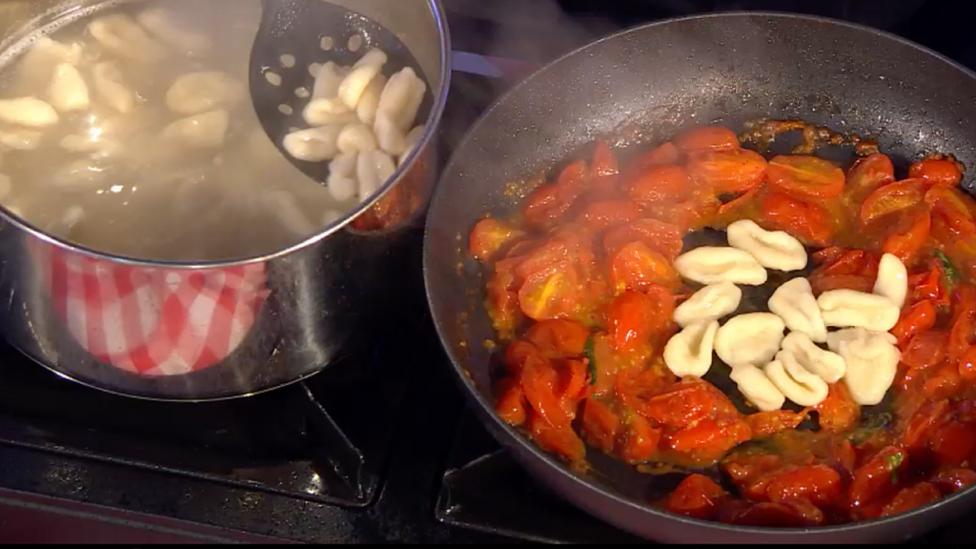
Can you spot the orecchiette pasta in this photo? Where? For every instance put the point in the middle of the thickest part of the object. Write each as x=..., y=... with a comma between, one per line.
x=689, y=352
x=892, y=280
x=68, y=91
x=314, y=144
x=773, y=250
x=795, y=382
x=872, y=362
x=710, y=303
x=852, y=309
x=373, y=168
x=202, y=131
x=28, y=111
x=203, y=91
x=121, y=35
x=111, y=88
x=795, y=304
x=751, y=338
x=758, y=389
x=828, y=365
x=711, y=265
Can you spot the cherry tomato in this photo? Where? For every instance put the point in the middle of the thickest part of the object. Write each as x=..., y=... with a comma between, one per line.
x=660, y=183
x=697, y=496
x=604, y=162
x=953, y=443
x=571, y=383
x=906, y=242
x=510, y=403
x=910, y=498
x=818, y=484
x=954, y=480
x=925, y=350
x=873, y=481
x=558, y=338
x=560, y=440
x=609, y=213
x=917, y=319
x=489, y=236
x=929, y=416
x=601, y=425
x=891, y=198
x=659, y=236
x=708, y=138
x=943, y=383
x=767, y=424
x=838, y=413
x=636, y=267
x=867, y=174
x=729, y=172
x=805, y=220
x=963, y=330
x=687, y=403
x=806, y=177
x=547, y=204
x=640, y=442
x=539, y=380
x=783, y=514
x=938, y=171
x=967, y=364
x=951, y=206
x=709, y=440
x=690, y=214
x=547, y=295
x=666, y=153
x=636, y=318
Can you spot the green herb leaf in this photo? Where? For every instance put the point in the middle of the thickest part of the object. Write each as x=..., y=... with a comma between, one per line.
x=950, y=270
x=870, y=427
x=591, y=359
x=892, y=463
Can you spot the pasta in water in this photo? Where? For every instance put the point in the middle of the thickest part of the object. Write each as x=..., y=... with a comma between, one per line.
x=130, y=131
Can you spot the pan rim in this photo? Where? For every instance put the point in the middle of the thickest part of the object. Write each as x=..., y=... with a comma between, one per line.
x=588, y=483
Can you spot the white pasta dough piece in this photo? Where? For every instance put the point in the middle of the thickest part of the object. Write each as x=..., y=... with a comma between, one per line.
x=710, y=303
x=370, y=101
x=796, y=383
x=795, y=304
x=323, y=112
x=328, y=78
x=356, y=138
x=203, y=91
x=711, y=265
x=314, y=144
x=202, y=131
x=373, y=169
x=757, y=387
x=289, y=214
x=751, y=338
x=101, y=148
x=689, y=352
x=344, y=164
x=342, y=182
x=122, y=36
x=773, y=249
x=20, y=139
x=165, y=25
x=111, y=87
x=389, y=136
x=401, y=99
x=68, y=91
x=28, y=111
x=852, y=309
x=44, y=55
x=354, y=84
x=829, y=366
x=892, y=280
x=413, y=140
x=872, y=362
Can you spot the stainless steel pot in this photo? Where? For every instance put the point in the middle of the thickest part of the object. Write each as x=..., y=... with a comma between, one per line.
x=292, y=311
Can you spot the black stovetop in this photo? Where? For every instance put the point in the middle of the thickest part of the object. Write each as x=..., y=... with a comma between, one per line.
x=379, y=446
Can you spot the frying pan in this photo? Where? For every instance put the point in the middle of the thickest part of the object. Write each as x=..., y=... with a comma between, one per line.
x=726, y=68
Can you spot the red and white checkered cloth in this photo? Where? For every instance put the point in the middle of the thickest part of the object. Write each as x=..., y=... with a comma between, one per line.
x=153, y=322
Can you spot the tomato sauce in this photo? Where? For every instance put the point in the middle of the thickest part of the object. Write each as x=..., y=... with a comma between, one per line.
x=582, y=289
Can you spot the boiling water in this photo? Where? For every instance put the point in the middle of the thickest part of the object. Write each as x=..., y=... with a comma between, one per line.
x=117, y=180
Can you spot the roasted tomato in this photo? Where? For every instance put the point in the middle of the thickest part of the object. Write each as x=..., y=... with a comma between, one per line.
x=729, y=172
x=937, y=171
x=806, y=177
x=697, y=496
x=807, y=221
x=709, y=138
x=660, y=184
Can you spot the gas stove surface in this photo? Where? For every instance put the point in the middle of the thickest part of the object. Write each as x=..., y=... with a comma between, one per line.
x=379, y=446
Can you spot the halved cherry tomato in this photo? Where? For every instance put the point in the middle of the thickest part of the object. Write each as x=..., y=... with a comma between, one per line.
x=666, y=153
x=604, y=161
x=636, y=267
x=660, y=183
x=783, y=514
x=953, y=443
x=558, y=338
x=806, y=177
x=539, y=380
x=729, y=172
x=818, y=484
x=609, y=213
x=489, y=236
x=657, y=235
x=950, y=205
x=767, y=424
x=873, y=481
x=739, y=207
x=689, y=214
x=601, y=425
x=708, y=138
x=910, y=498
x=546, y=295
x=891, y=198
x=925, y=350
x=944, y=382
x=708, y=440
x=962, y=334
x=929, y=416
x=550, y=202
x=805, y=220
x=697, y=496
x=635, y=318
x=510, y=402
x=640, y=441
x=917, y=319
x=561, y=440
x=838, y=412
x=938, y=171
x=967, y=364
x=571, y=383
x=867, y=174
x=905, y=242
x=954, y=480
x=687, y=403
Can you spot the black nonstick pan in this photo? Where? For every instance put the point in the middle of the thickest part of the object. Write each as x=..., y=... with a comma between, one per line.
x=727, y=68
